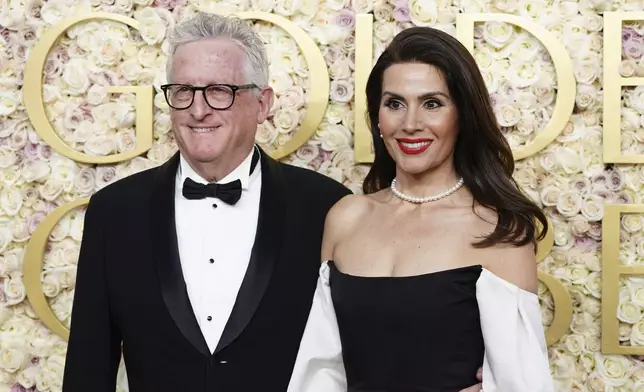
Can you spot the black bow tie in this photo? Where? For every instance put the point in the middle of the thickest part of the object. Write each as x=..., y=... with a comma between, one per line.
x=229, y=193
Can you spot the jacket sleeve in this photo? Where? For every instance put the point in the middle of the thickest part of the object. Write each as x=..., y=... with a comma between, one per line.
x=93, y=351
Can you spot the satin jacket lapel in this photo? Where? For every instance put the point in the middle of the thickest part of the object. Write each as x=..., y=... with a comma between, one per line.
x=166, y=255
x=268, y=242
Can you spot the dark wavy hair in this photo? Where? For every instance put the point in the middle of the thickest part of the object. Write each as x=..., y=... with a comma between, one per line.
x=482, y=155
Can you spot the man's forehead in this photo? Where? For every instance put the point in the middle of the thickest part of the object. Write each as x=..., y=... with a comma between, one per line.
x=221, y=61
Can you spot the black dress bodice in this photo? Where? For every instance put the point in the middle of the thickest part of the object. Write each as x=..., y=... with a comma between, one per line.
x=409, y=334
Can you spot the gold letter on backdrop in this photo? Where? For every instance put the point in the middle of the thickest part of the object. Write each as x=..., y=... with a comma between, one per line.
x=566, y=82
x=362, y=142
x=319, y=80
x=560, y=295
x=613, y=83
x=33, y=99
x=612, y=270
x=32, y=267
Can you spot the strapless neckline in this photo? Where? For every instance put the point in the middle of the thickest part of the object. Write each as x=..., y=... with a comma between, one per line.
x=414, y=333
x=474, y=267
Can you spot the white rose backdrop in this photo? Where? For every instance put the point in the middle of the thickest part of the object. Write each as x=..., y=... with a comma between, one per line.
x=568, y=178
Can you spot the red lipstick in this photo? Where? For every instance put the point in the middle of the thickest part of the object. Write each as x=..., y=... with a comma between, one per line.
x=414, y=146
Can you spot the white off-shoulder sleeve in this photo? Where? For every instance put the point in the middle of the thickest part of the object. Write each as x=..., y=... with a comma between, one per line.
x=319, y=366
x=516, y=357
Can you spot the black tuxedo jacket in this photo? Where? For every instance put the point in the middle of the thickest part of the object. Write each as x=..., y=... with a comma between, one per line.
x=130, y=292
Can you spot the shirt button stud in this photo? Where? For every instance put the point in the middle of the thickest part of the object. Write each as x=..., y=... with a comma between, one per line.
x=209, y=318
x=212, y=261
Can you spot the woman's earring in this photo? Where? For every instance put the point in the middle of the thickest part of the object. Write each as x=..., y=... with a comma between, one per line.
x=381, y=135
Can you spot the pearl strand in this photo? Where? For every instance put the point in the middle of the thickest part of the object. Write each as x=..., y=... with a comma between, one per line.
x=420, y=200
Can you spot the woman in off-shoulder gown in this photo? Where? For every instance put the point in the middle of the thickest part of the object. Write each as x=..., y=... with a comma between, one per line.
x=431, y=274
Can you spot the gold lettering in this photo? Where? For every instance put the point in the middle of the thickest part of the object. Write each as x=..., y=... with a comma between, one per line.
x=560, y=295
x=319, y=80
x=613, y=83
x=35, y=107
x=563, y=67
x=33, y=263
x=362, y=142
x=612, y=270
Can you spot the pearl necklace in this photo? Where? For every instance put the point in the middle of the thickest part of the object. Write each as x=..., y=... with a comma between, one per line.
x=420, y=200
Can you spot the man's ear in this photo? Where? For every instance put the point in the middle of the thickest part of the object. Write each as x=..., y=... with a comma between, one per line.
x=266, y=99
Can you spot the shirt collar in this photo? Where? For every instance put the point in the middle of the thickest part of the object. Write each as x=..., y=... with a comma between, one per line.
x=241, y=172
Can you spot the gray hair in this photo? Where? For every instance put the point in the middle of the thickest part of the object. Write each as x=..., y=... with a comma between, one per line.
x=204, y=25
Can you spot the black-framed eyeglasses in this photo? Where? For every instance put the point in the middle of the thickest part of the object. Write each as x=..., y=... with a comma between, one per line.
x=217, y=96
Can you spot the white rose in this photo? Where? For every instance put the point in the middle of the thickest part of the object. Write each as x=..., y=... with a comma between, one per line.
x=20, y=230
x=587, y=96
x=12, y=360
x=159, y=153
x=586, y=73
x=50, y=285
x=96, y=94
x=14, y=291
x=632, y=223
x=130, y=69
x=292, y=98
x=637, y=334
x=524, y=74
x=340, y=69
x=423, y=13
x=548, y=161
x=286, y=120
x=280, y=81
x=152, y=28
x=384, y=31
x=75, y=76
x=107, y=50
x=85, y=181
x=593, y=284
x=614, y=369
x=550, y=195
x=51, y=374
x=11, y=200
x=307, y=153
x=577, y=274
x=341, y=90
x=336, y=111
x=336, y=136
x=61, y=230
x=508, y=115
x=9, y=101
x=497, y=34
x=637, y=296
x=362, y=6
x=628, y=312
x=579, y=224
x=123, y=6
x=147, y=56
x=627, y=68
x=595, y=383
x=50, y=190
x=593, y=344
x=287, y=7
x=125, y=140
x=575, y=344
x=592, y=208
x=266, y=134
x=8, y=157
x=569, y=204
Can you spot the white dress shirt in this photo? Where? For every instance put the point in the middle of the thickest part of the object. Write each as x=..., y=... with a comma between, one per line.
x=215, y=245
x=516, y=357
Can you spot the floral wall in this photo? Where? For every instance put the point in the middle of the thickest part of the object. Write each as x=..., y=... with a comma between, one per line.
x=568, y=178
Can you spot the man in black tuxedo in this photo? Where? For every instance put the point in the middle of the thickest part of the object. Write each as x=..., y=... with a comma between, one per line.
x=202, y=270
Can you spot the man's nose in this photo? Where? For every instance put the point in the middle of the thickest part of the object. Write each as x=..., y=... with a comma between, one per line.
x=199, y=108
